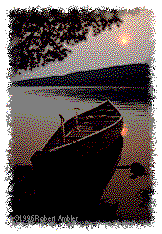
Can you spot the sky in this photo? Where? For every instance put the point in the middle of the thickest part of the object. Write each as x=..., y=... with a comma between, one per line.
x=131, y=43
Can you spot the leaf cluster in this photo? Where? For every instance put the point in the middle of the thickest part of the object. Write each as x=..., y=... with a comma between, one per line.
x=39, y=36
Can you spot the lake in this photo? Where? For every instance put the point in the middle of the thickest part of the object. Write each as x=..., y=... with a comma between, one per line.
x=35, y=117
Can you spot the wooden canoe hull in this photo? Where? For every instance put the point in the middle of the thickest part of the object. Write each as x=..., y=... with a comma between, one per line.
x=98, y=123
x=73, y=174
x=80, y=170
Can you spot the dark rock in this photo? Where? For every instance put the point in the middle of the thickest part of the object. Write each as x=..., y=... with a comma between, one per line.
x=137, y=169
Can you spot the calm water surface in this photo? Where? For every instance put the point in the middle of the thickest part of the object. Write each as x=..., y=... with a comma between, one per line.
x=35, y=118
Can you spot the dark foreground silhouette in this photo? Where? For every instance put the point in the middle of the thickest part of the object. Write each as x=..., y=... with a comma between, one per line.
x=54, y=187
x=47, y=193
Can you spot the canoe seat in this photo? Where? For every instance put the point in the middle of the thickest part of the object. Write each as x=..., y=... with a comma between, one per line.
x=80, y=131
x=95, y=116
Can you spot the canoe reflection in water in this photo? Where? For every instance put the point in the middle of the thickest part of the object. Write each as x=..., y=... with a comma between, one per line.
x=78, y=161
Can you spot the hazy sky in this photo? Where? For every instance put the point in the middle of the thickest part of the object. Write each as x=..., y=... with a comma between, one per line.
x=131, y=43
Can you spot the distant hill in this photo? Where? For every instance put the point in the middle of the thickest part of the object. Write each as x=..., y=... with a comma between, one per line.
x=134, y=75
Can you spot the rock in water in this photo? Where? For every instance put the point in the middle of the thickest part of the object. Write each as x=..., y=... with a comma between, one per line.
x=137, y=170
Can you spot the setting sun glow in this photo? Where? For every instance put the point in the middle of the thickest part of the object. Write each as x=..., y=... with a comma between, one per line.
x=124, y=39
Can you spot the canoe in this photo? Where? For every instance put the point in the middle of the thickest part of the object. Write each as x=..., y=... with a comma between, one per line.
x=80, y=159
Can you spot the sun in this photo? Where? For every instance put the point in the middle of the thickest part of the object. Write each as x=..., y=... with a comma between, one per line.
x=124, y=39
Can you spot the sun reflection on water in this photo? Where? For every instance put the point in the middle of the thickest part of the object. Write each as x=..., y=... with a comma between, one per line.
x=124, y=131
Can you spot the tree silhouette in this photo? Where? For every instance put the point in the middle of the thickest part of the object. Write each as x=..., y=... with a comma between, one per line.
x=39, y=37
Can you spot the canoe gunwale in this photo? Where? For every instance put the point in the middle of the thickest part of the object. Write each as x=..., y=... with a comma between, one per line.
x=90, y=135
x=103, y=109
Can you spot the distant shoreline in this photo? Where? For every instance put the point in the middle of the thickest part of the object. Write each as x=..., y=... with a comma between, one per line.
x=136, y=75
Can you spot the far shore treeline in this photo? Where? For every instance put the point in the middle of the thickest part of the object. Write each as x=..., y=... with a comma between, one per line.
x=134, y=75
